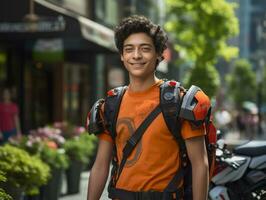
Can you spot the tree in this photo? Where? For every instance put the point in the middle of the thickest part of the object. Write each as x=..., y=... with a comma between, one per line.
x=200, y=30
x=242, y=82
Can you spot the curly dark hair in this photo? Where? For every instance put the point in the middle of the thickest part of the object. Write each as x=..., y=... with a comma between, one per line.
x=140, y=24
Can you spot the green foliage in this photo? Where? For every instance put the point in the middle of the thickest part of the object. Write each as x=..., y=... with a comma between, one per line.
x=2, y=176
x=3, y=194
x=55, y=158
x=22, y=170
x=46, y=150
x=202, y=27
x=80, y=148
x=242, y=82
x=207, y=78
x=200, y=30
x=33, y=147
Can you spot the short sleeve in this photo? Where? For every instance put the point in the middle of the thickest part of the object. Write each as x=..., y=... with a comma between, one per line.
x=189, y=130
x=105, y=136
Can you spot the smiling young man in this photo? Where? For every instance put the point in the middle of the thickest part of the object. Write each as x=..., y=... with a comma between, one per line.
x=155, y=159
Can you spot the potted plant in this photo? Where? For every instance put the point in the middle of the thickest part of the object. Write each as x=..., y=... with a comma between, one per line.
x=25, y=173
x=58, y=161
x=46, y=143
x=3, y=194
x=79, y=150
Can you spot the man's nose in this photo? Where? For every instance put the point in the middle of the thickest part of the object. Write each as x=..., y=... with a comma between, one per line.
x=137, y=54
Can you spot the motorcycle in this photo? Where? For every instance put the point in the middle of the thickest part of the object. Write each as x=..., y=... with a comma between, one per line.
x=240, y=174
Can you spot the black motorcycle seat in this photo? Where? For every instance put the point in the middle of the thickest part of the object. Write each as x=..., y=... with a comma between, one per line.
x=252, y=148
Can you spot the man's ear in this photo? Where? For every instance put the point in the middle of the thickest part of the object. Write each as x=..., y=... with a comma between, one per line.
x=121, y=57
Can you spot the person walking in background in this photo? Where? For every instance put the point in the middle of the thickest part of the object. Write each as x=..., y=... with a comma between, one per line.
x=156, y=158
x=9, y=117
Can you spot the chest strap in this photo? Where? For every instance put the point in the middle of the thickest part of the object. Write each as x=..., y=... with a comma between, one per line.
x=135, y=138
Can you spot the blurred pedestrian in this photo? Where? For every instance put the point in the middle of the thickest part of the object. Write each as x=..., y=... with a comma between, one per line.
x=9, y=117
x=223, y=119
x=152, y=167
x=240, y=122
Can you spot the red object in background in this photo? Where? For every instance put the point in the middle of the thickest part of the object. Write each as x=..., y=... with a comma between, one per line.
x=167, y=55
x=7, y=113
x=51, y=144
x=212, y=133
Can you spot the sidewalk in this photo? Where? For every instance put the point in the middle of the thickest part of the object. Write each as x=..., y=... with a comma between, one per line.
x=82, y=195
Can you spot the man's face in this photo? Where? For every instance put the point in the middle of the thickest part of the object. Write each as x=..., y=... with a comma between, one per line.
x=139, y=55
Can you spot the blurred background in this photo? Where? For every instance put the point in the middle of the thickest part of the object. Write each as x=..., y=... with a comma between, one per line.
x=57, y=57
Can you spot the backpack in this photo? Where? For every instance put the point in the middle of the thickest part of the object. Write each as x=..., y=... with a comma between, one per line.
x=174, y=107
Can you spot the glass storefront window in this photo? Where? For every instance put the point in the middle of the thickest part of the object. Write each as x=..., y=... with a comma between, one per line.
x=76, y=92
x=38, y=104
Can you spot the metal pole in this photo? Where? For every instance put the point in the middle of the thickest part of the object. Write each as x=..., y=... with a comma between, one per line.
x=31, y=7
x=31, y=16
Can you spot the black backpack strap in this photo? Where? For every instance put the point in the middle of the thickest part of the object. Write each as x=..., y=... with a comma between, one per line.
x=171, y=100
x=135, y=138
x=111, y=108
x=170, y=103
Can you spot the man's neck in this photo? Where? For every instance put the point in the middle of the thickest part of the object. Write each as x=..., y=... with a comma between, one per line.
x=138, y=84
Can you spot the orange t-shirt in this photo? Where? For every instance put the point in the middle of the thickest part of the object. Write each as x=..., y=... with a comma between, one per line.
x=155, y=159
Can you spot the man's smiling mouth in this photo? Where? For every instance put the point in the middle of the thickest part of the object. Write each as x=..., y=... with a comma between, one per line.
x=137, y=63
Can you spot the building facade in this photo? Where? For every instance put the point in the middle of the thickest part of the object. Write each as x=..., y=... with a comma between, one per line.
x=58, y=56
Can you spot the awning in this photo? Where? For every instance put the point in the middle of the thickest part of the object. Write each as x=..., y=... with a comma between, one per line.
x=90, y=30
x=77, y=32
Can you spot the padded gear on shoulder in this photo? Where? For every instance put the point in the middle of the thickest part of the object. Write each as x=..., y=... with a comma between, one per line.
x=195, y=105
x=95, y=123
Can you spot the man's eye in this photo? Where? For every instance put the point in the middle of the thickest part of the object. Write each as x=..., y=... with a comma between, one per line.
x=146, y=49
x=128, y=49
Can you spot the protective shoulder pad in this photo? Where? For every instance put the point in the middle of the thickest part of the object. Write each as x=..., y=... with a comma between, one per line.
x=195, y=105
x=95, y=123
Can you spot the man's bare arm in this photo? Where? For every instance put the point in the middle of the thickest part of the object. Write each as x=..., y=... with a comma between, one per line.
x=200, y=170
x=100, y=170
